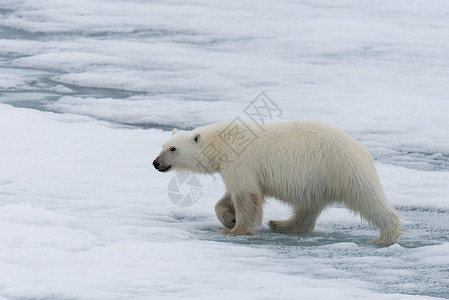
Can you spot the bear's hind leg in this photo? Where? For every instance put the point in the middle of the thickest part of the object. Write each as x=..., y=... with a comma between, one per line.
x=301, y=221
x=374, y=208
x=225, y=211
x=390, y=228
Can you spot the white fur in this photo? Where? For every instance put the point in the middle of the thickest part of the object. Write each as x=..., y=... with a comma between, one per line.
x=306, y=164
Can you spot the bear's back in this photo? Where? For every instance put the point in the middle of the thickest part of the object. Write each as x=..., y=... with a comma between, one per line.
x=290, y=158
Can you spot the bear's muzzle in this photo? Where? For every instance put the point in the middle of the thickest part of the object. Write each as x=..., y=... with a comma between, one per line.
x=158, y=166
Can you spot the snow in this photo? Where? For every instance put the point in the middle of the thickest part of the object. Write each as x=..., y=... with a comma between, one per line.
x=83, y=215
x=90, y=90
x=11, y=82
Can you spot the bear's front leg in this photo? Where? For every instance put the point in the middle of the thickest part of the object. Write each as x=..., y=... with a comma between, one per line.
x=248, y=212
x=225, y=210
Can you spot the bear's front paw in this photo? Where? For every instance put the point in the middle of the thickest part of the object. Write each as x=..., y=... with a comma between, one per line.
x=227, y=219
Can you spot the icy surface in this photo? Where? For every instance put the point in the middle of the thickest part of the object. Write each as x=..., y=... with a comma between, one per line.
x=84, y=215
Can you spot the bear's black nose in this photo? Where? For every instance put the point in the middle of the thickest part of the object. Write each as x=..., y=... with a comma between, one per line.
x=156, y=164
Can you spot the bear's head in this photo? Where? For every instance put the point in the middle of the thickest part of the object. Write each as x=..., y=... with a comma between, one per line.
x=179, y=152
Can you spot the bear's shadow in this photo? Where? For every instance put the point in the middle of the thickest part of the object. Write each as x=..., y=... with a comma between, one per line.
x=266, y=237
x=205, y=228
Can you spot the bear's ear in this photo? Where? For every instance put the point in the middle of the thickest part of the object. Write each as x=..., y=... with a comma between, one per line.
x=197, y=138
x=174, y=131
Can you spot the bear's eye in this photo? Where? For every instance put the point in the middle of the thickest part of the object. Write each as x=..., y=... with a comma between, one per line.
x=172, y=149
x=196, y=138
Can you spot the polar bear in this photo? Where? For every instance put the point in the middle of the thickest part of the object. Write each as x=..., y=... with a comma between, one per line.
x=308, y=165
